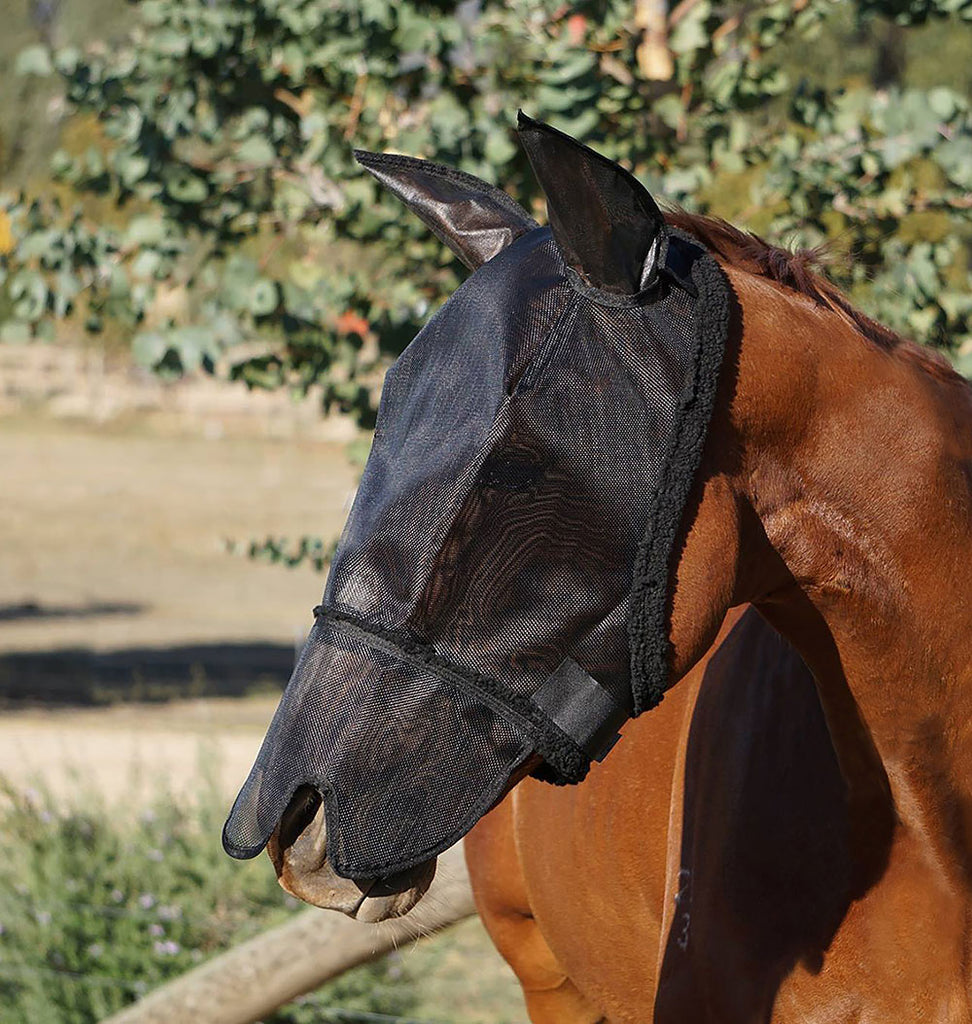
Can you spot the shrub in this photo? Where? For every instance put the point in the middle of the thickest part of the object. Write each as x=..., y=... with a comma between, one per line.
x=95, y=911
x=253, y=245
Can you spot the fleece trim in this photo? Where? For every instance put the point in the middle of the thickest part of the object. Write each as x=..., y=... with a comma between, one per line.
x=648, y=625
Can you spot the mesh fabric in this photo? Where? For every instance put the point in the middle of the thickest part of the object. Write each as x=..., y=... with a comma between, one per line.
x=520, y=442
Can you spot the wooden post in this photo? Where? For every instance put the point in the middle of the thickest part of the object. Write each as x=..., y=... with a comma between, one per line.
x=654, y=58
x=248, y=982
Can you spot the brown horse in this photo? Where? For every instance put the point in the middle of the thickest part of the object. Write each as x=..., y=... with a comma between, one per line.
x=788, y=837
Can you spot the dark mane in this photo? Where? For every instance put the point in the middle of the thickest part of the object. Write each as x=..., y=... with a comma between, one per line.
x=799, y=271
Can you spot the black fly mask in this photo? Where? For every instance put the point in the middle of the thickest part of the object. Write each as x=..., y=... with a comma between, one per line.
x=535, y=447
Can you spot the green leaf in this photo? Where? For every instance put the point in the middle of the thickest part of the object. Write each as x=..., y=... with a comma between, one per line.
x=34, y=60
x=499, y=148
x=66, y=59
x=131, y=168
x=955, y=158
x=170, y=43
x=581, y=125
x=264, y=297
x=14, y=332
x=146, y=263
x=63, y=165
x=943, y=102
x=45, y=331
x=149, y=348
x=29, y=293
x=690, y=33
x=186, y=187
x=963, y=360
x=256, y=151
x=577, y=66
x=148, y=229
x=192, y=344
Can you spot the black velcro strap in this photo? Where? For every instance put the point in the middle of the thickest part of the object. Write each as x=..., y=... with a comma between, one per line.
x=578, y=704
x=678, y=264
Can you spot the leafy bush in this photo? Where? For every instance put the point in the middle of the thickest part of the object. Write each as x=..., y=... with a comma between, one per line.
x=255, y=247
x=96, y=911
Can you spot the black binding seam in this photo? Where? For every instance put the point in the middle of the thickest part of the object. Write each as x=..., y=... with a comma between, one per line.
x=565, y=760
x=602, y=298
x=648, y=625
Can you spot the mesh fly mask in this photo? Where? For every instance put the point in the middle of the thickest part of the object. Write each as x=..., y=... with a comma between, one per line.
x=534, y=451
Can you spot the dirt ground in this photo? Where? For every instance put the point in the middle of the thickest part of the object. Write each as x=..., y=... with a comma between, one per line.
x=113, y=538
x=115, y=583
x=129, y=754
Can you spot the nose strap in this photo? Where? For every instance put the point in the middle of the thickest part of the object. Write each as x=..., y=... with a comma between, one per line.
x=577, y=703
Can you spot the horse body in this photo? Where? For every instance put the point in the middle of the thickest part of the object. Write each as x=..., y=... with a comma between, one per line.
x=788, y=836
x=706, y=874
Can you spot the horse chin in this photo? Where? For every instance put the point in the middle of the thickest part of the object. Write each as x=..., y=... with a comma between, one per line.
x=298, y=849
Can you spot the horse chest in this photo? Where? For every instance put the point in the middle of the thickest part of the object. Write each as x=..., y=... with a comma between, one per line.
x=595, y=859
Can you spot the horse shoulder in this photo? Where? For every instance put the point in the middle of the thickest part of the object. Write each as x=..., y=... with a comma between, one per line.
x=594, y=867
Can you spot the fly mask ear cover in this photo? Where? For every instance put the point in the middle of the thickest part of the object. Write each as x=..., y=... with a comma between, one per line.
x=621, y=254
x=421, y=688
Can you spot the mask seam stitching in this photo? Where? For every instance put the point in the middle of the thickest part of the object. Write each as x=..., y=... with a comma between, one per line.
x=554, y=745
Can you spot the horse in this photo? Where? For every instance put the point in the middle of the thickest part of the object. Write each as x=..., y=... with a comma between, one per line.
x=787, y=836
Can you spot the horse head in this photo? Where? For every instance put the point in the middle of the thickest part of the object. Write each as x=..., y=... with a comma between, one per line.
x=498, y=603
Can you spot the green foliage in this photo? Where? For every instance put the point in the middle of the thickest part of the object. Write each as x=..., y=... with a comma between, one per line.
x=305, y=550
x=256, y=249
x=888, y=174
x=95, y=912
x=917, y=12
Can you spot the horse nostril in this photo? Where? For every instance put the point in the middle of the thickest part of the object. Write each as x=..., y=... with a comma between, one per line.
x=299, y=814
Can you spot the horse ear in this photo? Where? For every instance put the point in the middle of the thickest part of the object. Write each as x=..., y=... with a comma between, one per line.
x=475, y=219
x=608, y=228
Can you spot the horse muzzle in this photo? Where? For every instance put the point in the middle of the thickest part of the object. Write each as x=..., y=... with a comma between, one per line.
x=402, y=753
x=398, y=758
x=298, y=850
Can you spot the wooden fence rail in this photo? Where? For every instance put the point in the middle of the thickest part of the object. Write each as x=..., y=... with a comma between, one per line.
x=250, y=981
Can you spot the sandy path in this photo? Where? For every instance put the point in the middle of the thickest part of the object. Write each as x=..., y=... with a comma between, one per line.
x=118, y=538
x=132, y=753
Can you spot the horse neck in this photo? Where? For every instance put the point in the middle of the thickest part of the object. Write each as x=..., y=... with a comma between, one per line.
x=857, y=461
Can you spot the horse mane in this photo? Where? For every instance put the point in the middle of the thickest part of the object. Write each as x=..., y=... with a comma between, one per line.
x=800, y=270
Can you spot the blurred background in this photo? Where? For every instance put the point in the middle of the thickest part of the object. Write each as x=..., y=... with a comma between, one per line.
x=199, y=295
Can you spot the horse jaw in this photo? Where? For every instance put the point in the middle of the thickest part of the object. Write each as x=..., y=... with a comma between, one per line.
x=298, y=850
